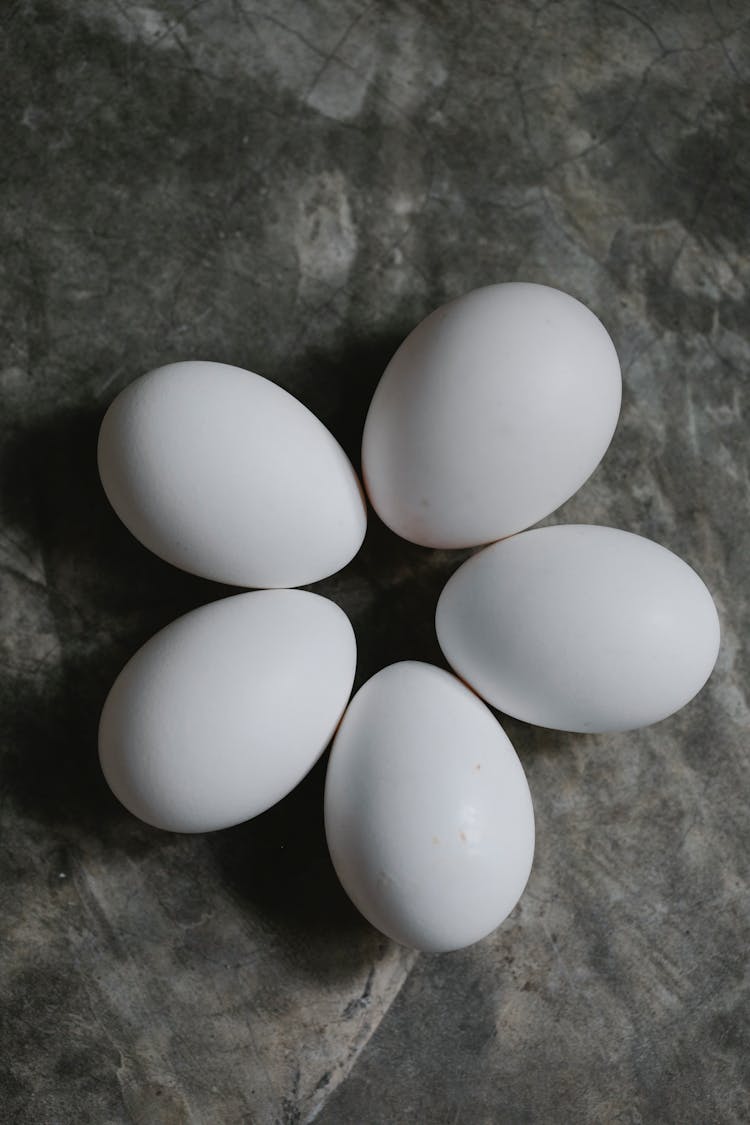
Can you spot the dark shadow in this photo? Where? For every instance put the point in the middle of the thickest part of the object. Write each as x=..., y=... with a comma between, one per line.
x=338, y=387
x=399, y=621
x=279, y=861
x=98, y=594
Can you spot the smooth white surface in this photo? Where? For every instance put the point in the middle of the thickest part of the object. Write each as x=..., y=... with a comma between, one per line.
x=223, y=712
x=579, y=627
x=226, y=475
x=428, y=814
x=493, y=411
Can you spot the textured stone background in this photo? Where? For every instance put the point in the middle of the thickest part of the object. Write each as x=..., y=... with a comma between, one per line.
x=290, y=187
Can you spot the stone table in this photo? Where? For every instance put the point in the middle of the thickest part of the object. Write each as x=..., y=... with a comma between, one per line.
x=290, y=187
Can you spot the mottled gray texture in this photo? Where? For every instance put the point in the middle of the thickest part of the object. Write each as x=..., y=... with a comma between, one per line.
x=290, y=187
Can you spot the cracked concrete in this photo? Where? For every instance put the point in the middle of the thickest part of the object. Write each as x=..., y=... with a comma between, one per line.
x=290, y=187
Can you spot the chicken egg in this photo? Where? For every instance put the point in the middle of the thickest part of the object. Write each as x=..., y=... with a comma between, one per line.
x=223, y=712
x=493, y=411
x=224, y=474
x=428, y=814
x=580, y=628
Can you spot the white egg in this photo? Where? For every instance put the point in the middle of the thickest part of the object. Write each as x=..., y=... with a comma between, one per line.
x=223, y=712
x=579, y=628
x=226, y=475
x=493, y=411
x=428, y=814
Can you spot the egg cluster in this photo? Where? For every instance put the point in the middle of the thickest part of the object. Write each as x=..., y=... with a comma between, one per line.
x=493, y=411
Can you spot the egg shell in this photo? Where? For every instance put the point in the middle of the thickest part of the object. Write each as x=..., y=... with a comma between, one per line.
x=493, y=411
x=580, y=628
x=224, y=474
x=223, y=712
x=428, y=814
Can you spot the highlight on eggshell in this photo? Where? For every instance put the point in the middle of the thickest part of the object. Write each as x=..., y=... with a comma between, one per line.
x=579, y=628
x=222, y=713
x=492, y=412
x=428, y=814
x=226, y=475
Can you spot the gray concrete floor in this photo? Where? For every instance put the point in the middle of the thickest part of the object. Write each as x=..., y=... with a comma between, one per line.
x=290, y=187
